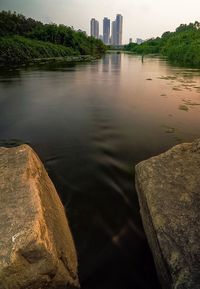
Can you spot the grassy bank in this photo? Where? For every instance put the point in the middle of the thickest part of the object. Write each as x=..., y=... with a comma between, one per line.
x=180, y=47
x=23, y=40
x=21, y=50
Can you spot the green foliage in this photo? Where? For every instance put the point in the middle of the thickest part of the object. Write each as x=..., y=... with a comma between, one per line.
x=151, y=46
x=181, y=46
x=48, y=40
x=67, y=36
x=18, y=50
x=12, y=23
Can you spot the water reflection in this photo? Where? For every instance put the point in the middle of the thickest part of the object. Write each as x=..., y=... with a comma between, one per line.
x=91, y=123
x=116, y=60
x=106, y=63
x=111, y=63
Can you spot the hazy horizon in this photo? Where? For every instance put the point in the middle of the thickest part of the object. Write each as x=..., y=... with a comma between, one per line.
x=141, y=19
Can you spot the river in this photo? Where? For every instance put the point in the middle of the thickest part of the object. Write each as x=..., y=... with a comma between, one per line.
x=90, y=123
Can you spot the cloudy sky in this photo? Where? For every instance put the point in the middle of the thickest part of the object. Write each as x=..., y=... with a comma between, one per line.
x=142, y=18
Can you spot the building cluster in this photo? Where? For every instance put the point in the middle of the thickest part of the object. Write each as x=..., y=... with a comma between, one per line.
x=112, y=32
x=139, y=41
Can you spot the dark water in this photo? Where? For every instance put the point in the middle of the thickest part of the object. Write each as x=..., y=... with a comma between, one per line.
x=90, y=124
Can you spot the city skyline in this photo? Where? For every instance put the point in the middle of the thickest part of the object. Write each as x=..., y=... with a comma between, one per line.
x=110, y=36
x=142, y=19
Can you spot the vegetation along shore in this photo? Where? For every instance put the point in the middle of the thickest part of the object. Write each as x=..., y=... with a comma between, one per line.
x=25, y=40
x=181, y=47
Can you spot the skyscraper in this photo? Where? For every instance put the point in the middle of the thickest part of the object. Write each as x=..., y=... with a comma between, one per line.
x=116, y=35
x=106, y=30
x=94, y=28
x=113, y=36
x=119, y=23
x=116, y=38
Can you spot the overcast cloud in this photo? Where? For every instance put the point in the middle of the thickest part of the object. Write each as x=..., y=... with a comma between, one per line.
x=142, y=18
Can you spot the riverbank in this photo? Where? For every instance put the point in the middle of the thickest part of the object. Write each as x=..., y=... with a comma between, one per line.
x=181, y=47
x=17, y=51
x=24, y=41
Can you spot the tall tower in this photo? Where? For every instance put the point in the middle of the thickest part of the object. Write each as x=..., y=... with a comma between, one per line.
x=106, y=30
x=113, y=36
x=94, y=28
x=119, y=24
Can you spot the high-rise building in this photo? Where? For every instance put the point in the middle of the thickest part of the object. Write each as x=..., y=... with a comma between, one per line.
x=119, y=24
x=113, y=36
x=94, y=28
x=116, y=33
x=106, y=30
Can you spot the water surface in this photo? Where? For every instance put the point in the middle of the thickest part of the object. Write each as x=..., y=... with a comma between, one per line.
x=90, y=124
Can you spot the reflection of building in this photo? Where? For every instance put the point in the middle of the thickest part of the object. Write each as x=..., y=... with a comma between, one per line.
x=106, y=30
x=106, y=63
x=117, y=25
x=116, y=61
x=94, y=28
x=111, y=63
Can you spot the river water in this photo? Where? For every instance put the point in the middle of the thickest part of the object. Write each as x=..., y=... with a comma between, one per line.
x=91, y=123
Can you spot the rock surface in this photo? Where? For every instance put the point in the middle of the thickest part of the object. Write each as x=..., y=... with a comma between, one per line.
x=36, y=247
x=168, y=188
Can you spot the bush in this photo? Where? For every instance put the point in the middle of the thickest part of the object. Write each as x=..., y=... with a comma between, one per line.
x=18, y=50
x=12, y=24
x=181, y=46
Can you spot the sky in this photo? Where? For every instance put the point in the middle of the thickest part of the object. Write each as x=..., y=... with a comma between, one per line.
x=141, y=18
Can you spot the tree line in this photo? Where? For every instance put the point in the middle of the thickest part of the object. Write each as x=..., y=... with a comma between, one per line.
x=16, y=29
x=181, y=47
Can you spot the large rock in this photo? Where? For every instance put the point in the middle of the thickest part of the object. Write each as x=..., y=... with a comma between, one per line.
x=36, y=246
x=168, y=187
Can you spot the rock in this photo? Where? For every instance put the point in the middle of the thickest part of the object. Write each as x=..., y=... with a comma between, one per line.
x=36, y=247
x=168, y=188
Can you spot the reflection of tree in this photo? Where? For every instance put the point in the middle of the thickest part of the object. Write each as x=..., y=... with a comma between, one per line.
x=7, y=76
